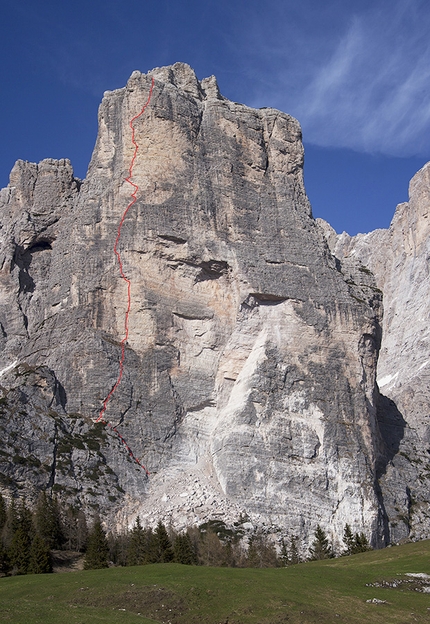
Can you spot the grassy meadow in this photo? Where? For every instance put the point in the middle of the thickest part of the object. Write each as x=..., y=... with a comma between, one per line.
x=316, y=592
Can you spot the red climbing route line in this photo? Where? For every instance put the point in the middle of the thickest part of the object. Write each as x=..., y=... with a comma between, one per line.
x=125, y=278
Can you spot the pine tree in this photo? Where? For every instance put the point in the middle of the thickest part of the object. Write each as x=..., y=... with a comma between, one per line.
x=47, y=521
x=348, y=540
x=11, y=524
x=4, y=560
x=19, y=534
x=25, y=518
x=361, y=543
x=97, y=550
x=40, y=557
x=320, y=548
x=163, y=545
x=151, y=541
x=19, y=551
x=354, y=543
x=184, y=551
x=137, y=553
x=3, y=514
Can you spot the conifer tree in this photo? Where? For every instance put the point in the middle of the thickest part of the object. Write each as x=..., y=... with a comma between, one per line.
x=25, y=518
x=184, y=551
x=19, y=530
x=163, y=545
x=354, y=543
x=320, y=548
x=151, y=546
x=19, y=551
x=3, y=514
x=4, y=559
x=348, y=540
x=11, y=524
x=361, y=543
x=47, y=521
x=40, y=557
x=137, y=553
x=97, y=549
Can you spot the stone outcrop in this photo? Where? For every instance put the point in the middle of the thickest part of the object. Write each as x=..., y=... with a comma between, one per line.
x=249, y=373
x=399, y=259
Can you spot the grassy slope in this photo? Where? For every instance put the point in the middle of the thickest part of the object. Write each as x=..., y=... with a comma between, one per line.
x=326, y=591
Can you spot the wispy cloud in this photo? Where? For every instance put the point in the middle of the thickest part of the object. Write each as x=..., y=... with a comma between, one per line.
x=365, y=86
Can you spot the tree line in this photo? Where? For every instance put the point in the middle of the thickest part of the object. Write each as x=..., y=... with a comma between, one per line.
x=29, y=537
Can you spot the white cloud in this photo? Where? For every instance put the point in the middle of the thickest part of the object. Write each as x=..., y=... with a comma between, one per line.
x=365, y=86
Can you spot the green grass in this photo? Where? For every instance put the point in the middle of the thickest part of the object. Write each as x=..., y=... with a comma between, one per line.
x=317, y=592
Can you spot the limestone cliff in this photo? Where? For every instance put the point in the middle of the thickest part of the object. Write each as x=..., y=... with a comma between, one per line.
x=249, y=371
x=399, y=258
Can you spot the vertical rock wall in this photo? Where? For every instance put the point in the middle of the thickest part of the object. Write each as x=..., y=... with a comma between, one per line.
x=249, y=373
x=399, y=258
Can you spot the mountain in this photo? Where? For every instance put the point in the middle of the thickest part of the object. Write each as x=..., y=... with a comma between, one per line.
x=235, y=359
x=399, y=259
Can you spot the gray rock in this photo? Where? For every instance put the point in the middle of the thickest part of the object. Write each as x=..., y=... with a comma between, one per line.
x=399, y=260
x=249, y=372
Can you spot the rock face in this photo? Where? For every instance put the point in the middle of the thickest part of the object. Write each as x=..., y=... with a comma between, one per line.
x=250, y=366
x=399, y=258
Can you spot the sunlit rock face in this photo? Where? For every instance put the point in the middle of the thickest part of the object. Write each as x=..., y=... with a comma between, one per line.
x=399, y=258
x=249, y=371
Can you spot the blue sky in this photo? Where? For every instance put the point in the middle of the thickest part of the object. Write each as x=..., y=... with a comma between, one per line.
x=356, y=74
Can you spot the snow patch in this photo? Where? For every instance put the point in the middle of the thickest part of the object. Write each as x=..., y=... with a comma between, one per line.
x=8, y=368
x=384, y=381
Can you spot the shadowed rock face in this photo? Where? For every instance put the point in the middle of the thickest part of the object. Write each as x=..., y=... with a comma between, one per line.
x=399, y=258
x=249, y=373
